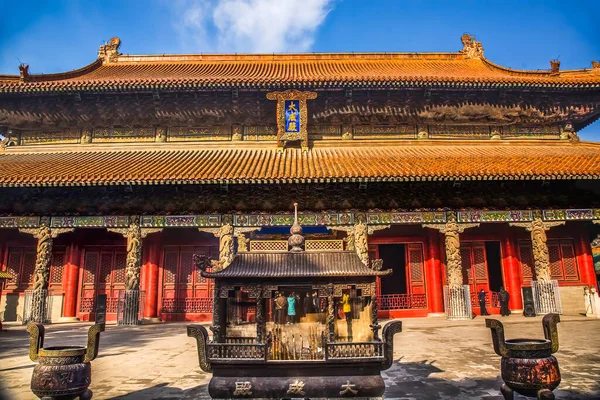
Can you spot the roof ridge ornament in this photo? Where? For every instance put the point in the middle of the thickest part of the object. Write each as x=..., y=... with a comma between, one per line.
x=595, y=66
x=23, y=71
x=471, y=47
x=554, y=67
x=296, y=240
x=109, y=51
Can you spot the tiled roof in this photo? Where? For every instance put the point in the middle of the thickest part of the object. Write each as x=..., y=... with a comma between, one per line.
x=187, y=72
x=83, y=165
x=295, y=265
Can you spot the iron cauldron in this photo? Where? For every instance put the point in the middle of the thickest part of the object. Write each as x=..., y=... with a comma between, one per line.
x=528, y=366
x=62, y=372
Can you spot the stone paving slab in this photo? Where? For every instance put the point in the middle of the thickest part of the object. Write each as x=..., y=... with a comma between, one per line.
x=435, y=359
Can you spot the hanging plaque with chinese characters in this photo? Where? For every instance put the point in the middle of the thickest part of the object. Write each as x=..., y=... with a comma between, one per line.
x=292, y=116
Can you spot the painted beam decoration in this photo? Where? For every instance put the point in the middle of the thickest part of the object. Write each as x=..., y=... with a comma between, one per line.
x=180, y=221
x=330, y=218
x=19, y=222
x=292, y=116
x=107, y=221
x=288, y=219
x=406, y=217
x=495, y=216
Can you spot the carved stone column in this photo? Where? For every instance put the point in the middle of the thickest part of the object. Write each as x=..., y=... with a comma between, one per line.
x=226, y=247
x=242, y=240
x=361, y=243
x=452, y=230
x=457, y=307
x=134, y=235
x=546, y=296
x=45, y=236
x=541, y=258
x=357, y=238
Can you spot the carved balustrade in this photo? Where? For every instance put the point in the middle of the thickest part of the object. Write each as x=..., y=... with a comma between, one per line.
x=342, y=351
x=402, y=301
x=236, y=351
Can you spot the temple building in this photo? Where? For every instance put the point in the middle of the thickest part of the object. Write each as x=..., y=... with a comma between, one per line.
x=458, y=173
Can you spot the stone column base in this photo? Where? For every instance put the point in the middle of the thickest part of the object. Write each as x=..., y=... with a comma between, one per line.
x=149, y=321
x=436, y=314
x=63, y=320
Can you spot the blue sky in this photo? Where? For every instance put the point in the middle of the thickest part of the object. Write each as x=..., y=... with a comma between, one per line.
x=53, y=36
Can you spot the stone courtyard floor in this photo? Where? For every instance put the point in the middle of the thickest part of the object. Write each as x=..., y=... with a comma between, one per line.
x=435, y=359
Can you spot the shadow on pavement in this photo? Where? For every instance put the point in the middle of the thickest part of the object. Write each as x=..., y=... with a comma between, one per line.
x=162, y=391
x=413, y=380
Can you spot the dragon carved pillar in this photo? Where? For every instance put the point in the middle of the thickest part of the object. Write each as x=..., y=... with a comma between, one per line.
x=45, y=236
x=539, y=245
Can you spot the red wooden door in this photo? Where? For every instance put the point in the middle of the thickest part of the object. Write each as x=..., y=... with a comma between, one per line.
x=103, y=273
x=475, y=270
x=415, y=276
x=184, y=289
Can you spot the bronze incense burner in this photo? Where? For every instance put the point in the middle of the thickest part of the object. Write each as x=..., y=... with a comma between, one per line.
x=295, y=323
x=62, y=372
x=528, y=366
x=349, y=370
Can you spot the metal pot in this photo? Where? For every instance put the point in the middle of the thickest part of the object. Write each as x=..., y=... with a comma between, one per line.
x=62, y=372
x=528, y=366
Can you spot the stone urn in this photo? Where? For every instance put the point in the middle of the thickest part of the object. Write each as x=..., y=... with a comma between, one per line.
x=528, y=366
x=62, y=372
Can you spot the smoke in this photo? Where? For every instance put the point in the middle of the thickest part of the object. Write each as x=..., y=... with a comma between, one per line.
x=249, y=26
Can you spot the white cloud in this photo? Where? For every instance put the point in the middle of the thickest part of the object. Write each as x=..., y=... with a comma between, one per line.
x=250, y=26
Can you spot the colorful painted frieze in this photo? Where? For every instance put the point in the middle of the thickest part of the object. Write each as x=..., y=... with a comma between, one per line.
x=495, y=216
x=288, y=219
x=406, y=217
x=19, y=222
x=180, y=221
x=106, y=221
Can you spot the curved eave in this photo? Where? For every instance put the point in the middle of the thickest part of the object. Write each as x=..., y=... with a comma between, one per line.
x=390, y=85
x=148, y=182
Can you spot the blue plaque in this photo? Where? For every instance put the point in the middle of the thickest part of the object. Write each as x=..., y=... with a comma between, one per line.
x=292, y=115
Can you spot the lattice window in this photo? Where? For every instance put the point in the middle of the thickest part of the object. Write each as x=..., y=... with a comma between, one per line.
x=416, y=265
x=198, y=305
x=105, y=267
x=28, y=268
x=89, y=268
x=324, y=245
x=479, y=262
x=569, y=262
x=527, y=265
x=120, y=264
x=465, y=255
x=199, y=277
x=555, y=264
x=15, y=257
x=186, y=274
x=268, y=245
x=170, y=266
x=57, y=267
x=87, y=305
